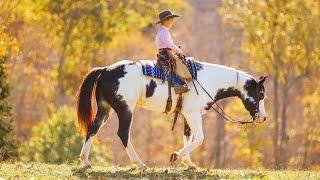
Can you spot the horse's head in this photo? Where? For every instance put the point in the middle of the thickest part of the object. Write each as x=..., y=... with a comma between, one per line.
x=253, y=98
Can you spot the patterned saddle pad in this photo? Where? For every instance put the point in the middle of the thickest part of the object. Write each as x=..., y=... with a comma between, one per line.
x=149, y=69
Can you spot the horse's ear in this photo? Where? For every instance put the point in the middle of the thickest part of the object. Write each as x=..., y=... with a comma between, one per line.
x=262, y=79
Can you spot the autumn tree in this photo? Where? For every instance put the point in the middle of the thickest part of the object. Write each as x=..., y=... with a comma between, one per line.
x=61, y=40
x=310, y=131
x=8, y=45
x=281, y=38
x=83, y=29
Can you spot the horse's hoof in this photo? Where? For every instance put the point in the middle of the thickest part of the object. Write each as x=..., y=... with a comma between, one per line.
x=188, y=164
x=184, y=163
x=85, y=162
x=173, y=157
x=142, y=167
x=82, y=158
x=192, y=167
x=86, y=166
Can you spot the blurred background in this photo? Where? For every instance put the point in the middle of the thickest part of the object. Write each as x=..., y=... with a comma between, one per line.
x=47, y=47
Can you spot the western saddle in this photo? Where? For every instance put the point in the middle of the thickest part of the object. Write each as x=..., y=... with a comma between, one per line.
x=175, y=64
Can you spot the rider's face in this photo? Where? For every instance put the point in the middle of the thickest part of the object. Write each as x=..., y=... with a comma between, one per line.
x=168, y=22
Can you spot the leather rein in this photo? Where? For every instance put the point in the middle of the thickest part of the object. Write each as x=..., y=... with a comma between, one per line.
x=222, y=113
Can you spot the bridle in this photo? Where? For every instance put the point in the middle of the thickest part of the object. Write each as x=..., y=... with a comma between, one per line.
x=220, y=110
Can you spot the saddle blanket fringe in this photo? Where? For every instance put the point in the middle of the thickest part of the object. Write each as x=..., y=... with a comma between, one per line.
x=150, y=69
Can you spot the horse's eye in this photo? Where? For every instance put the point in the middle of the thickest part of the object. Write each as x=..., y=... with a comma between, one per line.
x=261, y=95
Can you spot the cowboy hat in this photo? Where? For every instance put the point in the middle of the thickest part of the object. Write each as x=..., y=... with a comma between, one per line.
x=166, y=15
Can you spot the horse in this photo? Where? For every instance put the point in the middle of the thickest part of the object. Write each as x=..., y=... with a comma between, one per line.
x=122, y=86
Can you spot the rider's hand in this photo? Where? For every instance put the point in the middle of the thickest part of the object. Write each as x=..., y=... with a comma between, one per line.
x=181, y=56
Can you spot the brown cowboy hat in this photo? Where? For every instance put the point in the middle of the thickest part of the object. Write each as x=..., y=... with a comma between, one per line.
x=166, y=15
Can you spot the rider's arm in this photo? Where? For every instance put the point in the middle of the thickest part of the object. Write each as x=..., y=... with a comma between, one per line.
x=166, y=38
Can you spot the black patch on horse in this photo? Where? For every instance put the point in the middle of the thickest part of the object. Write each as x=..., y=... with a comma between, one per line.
x=223, y=93
x=209, y=104
x=106, y=89
x=187, y=129
x=93, y=130
x=151, y=88
x=255, y=90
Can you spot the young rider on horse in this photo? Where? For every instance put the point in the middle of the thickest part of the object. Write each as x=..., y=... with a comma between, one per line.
x=165, y=45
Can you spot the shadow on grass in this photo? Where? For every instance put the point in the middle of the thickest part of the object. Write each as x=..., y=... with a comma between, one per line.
x=170, y=173
x=150, y=173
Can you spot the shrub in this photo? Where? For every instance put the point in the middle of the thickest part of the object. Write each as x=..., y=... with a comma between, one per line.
x=57, y=140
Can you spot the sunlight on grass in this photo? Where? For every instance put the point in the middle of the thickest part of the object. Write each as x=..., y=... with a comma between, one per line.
x=64, y=171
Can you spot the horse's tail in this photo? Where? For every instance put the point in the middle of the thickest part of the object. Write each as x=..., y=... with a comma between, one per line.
x=84, y=96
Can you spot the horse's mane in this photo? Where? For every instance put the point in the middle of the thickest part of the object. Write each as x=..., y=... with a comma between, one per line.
x=225, y=67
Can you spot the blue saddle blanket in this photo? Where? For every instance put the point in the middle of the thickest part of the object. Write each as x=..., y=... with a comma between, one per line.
x=149, y=69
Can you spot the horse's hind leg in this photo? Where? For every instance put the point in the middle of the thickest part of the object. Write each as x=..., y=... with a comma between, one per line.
x=187, y=139
x=125, y=120
x=102, y=113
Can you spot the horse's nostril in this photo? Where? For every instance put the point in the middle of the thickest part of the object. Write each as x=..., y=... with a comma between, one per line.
x=265, y=118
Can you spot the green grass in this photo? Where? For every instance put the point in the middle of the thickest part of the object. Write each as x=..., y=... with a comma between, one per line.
x=64, y=171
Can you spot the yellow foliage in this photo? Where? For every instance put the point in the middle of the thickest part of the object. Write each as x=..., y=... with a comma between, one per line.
x=279, y=36
x=8, y=43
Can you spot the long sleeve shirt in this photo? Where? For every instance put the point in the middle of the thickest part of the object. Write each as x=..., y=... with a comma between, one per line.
x=164, y=40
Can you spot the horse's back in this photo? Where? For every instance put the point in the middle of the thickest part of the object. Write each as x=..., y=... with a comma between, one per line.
x=129, y=86
x=130, y=83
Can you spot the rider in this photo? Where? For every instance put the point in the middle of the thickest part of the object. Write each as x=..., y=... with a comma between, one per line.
x=165, y=43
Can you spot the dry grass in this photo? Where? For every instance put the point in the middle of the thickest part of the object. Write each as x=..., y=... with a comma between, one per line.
x=64, y=171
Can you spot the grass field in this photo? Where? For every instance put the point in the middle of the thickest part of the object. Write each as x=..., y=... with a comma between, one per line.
x=49, y=171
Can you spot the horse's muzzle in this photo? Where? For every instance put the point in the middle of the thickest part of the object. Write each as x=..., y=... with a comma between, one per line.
x=259, y=120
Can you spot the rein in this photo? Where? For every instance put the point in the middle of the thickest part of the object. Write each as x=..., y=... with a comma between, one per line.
x=222, y=113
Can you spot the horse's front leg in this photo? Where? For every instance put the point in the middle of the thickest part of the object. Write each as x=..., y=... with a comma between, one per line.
x=194, y=121
x=187, y=139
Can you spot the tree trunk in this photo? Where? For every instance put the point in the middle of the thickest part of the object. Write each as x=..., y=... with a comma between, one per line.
x=219, y=139
x=94, y=58
x=284, y=136
x=305, y=153
x=219, y=145
x=59, y=93
x=59, y=83
x=276, y=121
x=307, y=143
x=19, y=113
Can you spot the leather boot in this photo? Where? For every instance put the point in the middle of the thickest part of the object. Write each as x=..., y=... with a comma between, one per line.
x=181, y=88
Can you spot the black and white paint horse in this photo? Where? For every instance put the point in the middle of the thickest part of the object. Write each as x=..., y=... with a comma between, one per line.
x=121, y=86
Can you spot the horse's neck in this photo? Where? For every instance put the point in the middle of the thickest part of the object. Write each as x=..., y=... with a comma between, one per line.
x=223, y=81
